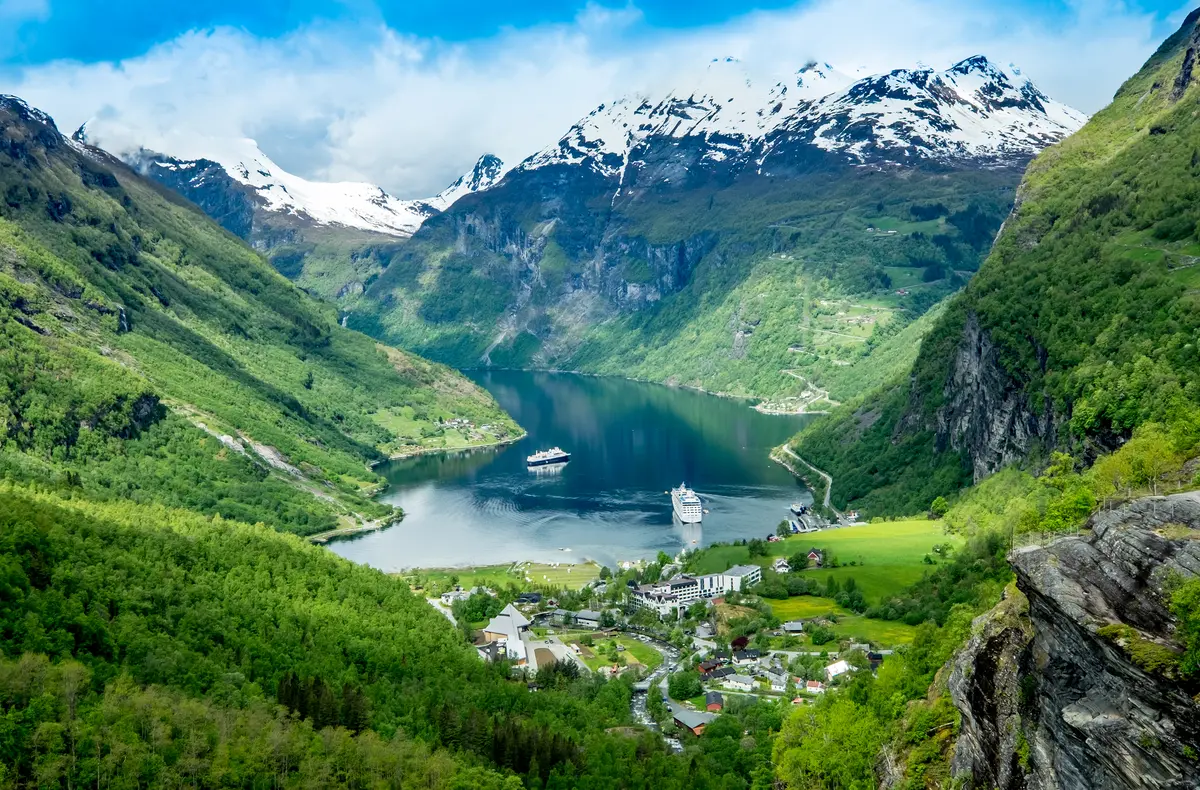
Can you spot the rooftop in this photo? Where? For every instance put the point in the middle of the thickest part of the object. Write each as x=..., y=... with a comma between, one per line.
x=743, y=570
x=692, y=718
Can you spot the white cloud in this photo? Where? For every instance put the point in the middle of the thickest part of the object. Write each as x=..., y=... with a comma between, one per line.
x=369, y=103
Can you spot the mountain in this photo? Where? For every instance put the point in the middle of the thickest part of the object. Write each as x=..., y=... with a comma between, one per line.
x=747, y=238
x=1079, y=329
x=150, y=356
x=330, y=238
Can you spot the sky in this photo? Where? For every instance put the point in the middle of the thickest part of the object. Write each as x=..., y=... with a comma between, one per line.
x=408, y=94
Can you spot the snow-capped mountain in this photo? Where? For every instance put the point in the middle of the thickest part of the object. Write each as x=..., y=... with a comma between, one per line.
x=486, y=173
x=726, y=108
x=200, y=167
x=973, y=110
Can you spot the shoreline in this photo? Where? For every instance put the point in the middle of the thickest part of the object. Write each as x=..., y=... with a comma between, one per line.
x=753, y=400
x=434, y=450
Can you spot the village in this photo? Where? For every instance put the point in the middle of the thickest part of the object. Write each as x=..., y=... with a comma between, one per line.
x=689, y=643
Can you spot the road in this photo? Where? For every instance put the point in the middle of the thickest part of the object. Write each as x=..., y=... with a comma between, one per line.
x=657, y=681
x=824, y=476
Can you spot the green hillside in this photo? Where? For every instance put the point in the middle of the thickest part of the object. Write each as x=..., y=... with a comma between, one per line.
x=1089, y=299
x=149, y=355
x=723, y=287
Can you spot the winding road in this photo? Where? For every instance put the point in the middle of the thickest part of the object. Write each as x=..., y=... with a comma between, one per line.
x=824, y=476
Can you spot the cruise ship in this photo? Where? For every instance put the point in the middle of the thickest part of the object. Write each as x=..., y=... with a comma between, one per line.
x=686, y=504
x=555, y=455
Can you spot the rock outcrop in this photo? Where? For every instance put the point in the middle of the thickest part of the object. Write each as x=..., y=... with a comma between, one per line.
x=986, y=413
x=1047, y=701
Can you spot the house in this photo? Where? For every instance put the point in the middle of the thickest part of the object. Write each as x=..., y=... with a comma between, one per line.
x=719, y=673
x=793, y=627
x=773, y=538
x=781, y=566
x=743, y=657
x=529, y=597
x=837, y=668
x=816, y=556
x=692, y=720
x=778, y=681
x=506, y=629
x=489, y=651
x=875, y=658
x=814, y=687
x=714, y=702
x=740, y=682
x=586, y=618
x=706, y=667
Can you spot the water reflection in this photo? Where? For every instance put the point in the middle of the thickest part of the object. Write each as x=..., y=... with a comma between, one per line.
x=629, y=444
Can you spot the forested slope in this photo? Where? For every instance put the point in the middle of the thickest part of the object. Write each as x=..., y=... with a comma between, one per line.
x=150, y=647
x=149, y=355
x=1081, y=325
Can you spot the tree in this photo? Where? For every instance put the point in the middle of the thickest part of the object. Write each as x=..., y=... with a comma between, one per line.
x=939, y=507
x=758, y=547
x=783, y=530
x=684, y=685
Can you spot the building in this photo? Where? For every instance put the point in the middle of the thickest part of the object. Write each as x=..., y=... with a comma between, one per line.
x=719, y=673
x=692, y=720
x=837, y=668
x=740, y=682
x=743, y=657
x=816, y=556
x=814, y=687
x=706, y=667
x=668, y=597
x=781, y=566
x=793, y=626
x=778, y=681
x=714, y=702
x=506, y=630
x=586, y=618
x=740, y=577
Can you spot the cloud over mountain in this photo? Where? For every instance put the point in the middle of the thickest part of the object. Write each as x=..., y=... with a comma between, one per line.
x=367, y=103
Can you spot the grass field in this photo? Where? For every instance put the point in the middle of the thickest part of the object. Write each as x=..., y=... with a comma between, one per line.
x=880, y=633
x=645, y=654
x=538, y=574
x=888, y=557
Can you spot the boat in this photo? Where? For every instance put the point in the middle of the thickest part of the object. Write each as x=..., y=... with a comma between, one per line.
x=686, y=504
x=555, y=455
x=798, y=509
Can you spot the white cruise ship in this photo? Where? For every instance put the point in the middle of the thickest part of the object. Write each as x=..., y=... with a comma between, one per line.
x=686, y=504
x=555, y=455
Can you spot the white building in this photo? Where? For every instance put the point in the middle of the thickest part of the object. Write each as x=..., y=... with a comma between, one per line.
x=837, y=668
x=740, y=682
x=669, y=596
x=781, y=566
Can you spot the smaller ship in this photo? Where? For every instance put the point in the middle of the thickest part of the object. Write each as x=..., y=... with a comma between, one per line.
x=687, y=505
x=798, y=509
x=555, y=455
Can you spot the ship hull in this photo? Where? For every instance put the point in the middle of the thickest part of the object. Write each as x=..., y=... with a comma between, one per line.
x=558, y=459
x=688, y=515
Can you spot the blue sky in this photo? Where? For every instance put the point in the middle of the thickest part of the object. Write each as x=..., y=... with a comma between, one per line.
x=91, y=31
x=408, y=94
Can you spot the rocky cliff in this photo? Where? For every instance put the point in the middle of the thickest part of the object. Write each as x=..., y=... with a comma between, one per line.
x=1055, y=688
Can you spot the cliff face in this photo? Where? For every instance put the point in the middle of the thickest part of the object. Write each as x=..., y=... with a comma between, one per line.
x=1046, y=701
x=985, y=411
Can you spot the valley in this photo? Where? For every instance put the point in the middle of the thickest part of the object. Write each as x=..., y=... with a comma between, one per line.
x=924, y=342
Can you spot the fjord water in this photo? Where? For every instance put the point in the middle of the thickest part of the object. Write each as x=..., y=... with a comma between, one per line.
x=629, y=442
